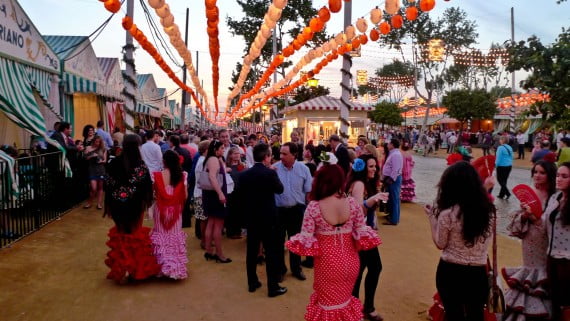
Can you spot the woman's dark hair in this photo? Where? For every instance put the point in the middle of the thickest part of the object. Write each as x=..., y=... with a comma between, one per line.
x=550, y=169
x=565, y=210
x=328, y=180
x=131, y=153
x=370, y=185
x=172, y=162
x=311, y=148
x=86, y=130
x=318, y=150
x=214, y=146
x=386, y=152
x=461, y=185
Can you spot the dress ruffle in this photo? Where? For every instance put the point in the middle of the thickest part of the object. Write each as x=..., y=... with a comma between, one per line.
x=170, y=252
x=365, y=238
x=352, y=311
x=131, y=253
x=529, y=280
x=527, y=293
x=303, y=244
x=408, y=191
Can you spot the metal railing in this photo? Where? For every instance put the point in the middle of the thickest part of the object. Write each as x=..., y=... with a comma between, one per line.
x=44, y=194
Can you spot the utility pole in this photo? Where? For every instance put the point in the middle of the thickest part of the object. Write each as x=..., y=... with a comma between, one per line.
x=185, y=95
x=131, y=83
x=273, y=112
x=512, y=110
x=346, y=77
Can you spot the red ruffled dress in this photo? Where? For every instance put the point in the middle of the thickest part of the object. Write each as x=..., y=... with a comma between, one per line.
x=168, y=239
x=126, y=197
x=335, y=249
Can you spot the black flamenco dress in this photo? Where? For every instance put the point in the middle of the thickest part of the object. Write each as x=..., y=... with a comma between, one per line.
x=127, y=196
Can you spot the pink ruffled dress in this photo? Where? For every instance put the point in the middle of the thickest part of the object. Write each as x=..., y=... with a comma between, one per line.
x=527, y=296
x=335, y=249
x=168, y=239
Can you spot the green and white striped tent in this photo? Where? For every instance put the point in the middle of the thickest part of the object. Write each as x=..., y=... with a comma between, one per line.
x=18, y=103
x=11, y=175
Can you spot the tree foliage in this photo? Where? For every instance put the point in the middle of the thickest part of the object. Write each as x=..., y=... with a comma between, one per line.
x=294, y=18
x=305, y=93
x=396, y=68
x=387, y=113
x=549, y=67
x=465, y=104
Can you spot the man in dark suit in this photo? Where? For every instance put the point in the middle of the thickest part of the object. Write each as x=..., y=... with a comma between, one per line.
x=340, y=152
x=255, y=189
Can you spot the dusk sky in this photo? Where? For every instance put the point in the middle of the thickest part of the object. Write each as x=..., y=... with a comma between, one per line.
x=543, y=18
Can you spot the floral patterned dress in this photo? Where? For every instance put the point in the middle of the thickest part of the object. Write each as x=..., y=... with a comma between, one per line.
x=408, y=192
x=335, y=249
x=168, y=238
x=527, y=296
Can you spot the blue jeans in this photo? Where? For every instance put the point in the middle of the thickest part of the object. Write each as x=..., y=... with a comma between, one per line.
x=394, y=200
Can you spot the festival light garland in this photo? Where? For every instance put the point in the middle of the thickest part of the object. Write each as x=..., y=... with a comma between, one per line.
x=171, y=29
x=213, y=18
x=478, y=59
x=522, y=100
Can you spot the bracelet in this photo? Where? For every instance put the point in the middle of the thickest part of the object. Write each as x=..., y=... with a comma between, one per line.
x=365, y=205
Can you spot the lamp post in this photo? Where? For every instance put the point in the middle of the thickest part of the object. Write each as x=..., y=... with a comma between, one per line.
x=313, y=82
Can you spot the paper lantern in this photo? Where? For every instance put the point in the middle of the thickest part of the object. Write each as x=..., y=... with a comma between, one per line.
x=375, y=15
x=333, y=44
x=274, y=13
x=385, y=28
x=163, y=11
x=427, y=5
x=270, y=23
x=355, y=43
x=392, y=6
x=335, y=5
x=167, y=22
x=113, y=5
x=210, y=3
x=361, y=25
x=397, y=21
x=340, y=39
x=296, y=44
x=127, y=22
x=349, y=32
x=324, y=14
x=288, y=51
x=411, y=13
x=265, y=31
x=155, y=4
x=374, y=34
x=363, y=39
x=280, y=4
x=326, y=46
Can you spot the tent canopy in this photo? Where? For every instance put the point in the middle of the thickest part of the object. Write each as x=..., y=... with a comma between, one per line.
x=327, y=103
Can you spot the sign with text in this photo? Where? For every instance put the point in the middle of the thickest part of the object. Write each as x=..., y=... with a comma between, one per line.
x=362, y=77
x=20, y=39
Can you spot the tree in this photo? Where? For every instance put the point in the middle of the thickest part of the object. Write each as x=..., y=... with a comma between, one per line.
x=395, y=90
x=457, y=33
x=387, y=113
x=465, y=104
x=549, y=67
x=294, y=18
x=305, y=93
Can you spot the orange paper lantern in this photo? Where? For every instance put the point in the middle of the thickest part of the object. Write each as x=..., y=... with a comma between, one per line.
x=324, y=14
x=113, y=5
x=427, y=5
x=411, y=13
x=335, y=5
x=355, y=43
x=363, y=39
x=397, y=21
x=288, y=51
x=374, y=34
x=127, y=22
x=385, y=28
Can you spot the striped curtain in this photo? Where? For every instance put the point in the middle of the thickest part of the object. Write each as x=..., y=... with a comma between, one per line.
x=11, y=175
x=18, y=103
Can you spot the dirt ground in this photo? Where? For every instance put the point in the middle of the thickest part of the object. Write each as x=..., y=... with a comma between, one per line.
x=58, y=273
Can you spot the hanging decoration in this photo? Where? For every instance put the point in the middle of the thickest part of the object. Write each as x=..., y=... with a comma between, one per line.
x=522, y=100
x=113, y=5
x=392, y=6
x=385, y=28
x=397, y=21
x=436, y=50
x=375, y=16
x=213, y=18
x=171, y=29
x=475, y=58
x=335, y=5
x=411, y=13
x=427, y=5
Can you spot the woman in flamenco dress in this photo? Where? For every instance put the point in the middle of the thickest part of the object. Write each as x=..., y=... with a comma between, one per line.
x=408, y=193
x=128, y=193
x=334, y=230
x=168, y=239
x=527, y=297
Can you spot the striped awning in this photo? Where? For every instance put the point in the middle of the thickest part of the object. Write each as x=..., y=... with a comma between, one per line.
x=11, y=175
x=74, y=83
x=147, y=109
x=18, y=103
x=327, y=103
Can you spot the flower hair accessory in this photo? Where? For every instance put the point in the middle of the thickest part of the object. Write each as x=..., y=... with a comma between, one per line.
x=328, y=158
x=358, y=165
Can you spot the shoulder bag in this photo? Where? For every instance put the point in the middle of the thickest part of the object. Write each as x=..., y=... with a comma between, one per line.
x=204, y=180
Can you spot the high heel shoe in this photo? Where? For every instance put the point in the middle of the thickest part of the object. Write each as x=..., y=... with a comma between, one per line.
x=209, y=256
x=218, y=260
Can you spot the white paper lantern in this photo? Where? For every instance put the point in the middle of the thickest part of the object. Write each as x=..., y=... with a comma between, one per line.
x=319, y=52
x=326, y=46
x=270, y=23
x=392, y=6
x=274, y=13
x=155, y=4
x=312, y=54
x=332, y=43
x=361, y=25
x=163, y=11
x=375, y=15
x=168, y=21
x=265, y=31
x=340, y=39
x=350, y=31
x=281, y=4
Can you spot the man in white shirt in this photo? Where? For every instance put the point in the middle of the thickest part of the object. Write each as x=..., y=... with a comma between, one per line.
x=251, y=142
x=521, y=140
x=150, y=152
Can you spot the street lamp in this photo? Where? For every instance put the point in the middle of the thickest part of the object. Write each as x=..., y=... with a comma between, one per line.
x=313, y=82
